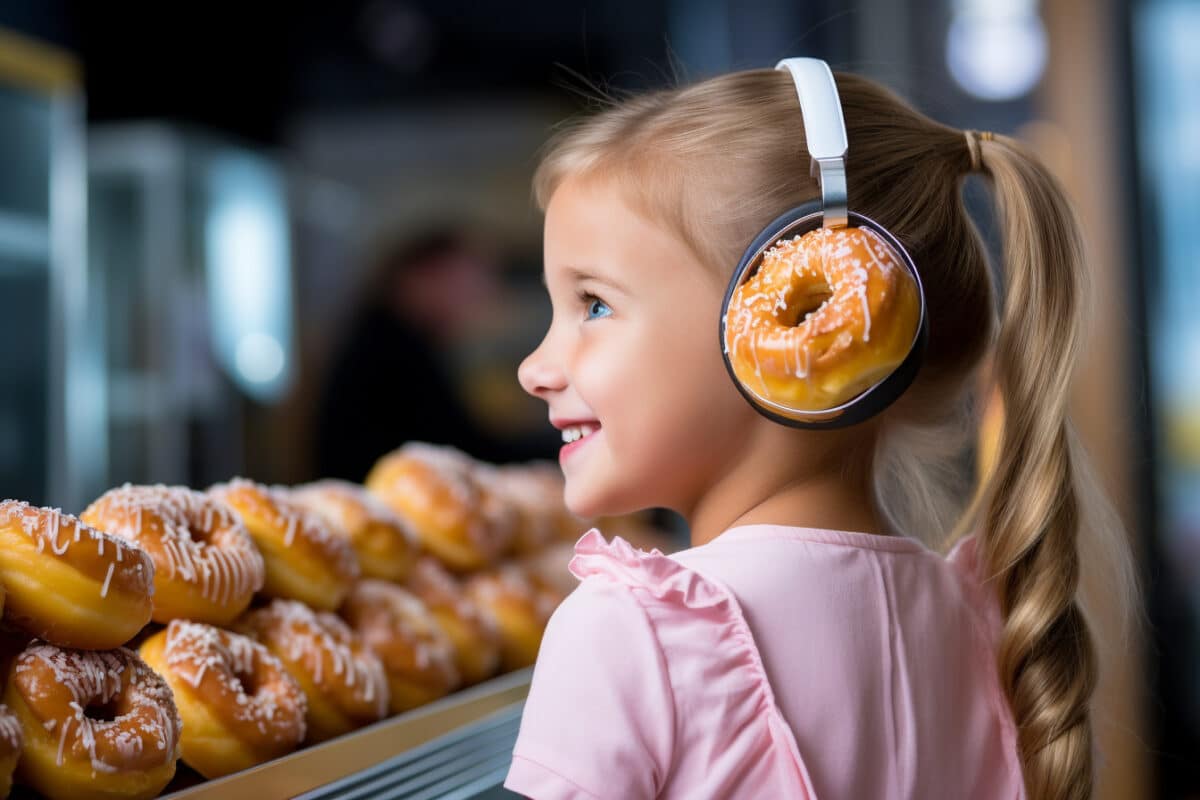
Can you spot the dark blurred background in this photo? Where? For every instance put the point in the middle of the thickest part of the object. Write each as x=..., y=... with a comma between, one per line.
x=236, y=239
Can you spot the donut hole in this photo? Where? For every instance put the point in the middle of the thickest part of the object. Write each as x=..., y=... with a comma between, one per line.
x=806, y=303
x=248, y=679
x=102, y=711
x=198, y=533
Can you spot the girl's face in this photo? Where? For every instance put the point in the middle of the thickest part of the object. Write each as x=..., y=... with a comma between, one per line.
x=631, y=360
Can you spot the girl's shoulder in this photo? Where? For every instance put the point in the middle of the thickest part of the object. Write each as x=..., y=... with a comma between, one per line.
x=643, y=644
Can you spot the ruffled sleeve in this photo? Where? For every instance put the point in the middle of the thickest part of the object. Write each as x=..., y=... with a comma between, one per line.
x=606, y=664
x=599, y=718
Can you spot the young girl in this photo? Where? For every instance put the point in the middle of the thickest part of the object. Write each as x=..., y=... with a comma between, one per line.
x=812, y=642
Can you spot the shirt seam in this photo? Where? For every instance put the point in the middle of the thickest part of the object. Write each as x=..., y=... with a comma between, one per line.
x=908, y=546
x=900, y=663
x=890, y=672
x=556, y=774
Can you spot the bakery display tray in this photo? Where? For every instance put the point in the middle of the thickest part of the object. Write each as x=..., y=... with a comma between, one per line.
x=456, y=747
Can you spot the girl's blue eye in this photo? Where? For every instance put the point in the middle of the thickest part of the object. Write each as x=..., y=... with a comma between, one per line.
x=597, y=308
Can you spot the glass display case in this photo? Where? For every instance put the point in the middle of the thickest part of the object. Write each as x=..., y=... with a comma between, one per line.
x=47, y=368
x=189, y=248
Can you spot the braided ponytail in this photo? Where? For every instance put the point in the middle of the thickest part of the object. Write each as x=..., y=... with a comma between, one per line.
x=1031, y=512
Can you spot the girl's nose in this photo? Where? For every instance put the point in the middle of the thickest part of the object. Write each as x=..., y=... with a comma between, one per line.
x=540, y=373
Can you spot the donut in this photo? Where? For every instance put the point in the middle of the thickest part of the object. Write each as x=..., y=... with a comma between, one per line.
x=436, y=488
x=206, y=567
x=835, y=307
x=476, y=637
x=97, y=724
x=304, y=559
x=518, y=609
x=69, y=583
x=240, y=707
x=386, y=544
x=10, y=747
x=342, y=678
x=416, y=652
x=535, y=495
x=547, y=569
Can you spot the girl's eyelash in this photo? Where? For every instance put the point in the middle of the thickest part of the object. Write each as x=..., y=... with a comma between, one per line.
x=587, y=300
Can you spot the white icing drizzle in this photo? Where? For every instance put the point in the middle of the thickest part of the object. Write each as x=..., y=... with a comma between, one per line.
x=451, y=465
x=277, y=706
x=350, y=509
x=191, y=537
x=100, y=678
x=320, y=643
x=282, y=512
x=44, y=526
x=385, y=615
x=10, y=729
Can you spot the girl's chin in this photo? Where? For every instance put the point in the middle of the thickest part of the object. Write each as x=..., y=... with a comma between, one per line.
x=588, y=503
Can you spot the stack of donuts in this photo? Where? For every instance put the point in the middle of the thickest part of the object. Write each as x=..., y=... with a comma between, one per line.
x=231, y=626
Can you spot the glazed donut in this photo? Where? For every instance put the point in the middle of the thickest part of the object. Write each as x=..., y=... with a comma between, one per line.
x=343, y=680
x=206, y=567
x=436, y=488
x=535, y=495
x=518, y=609
x=69, y=583
x=386, y=545
x=417, y=654
x=10, y=748
x=476, y=638
x=98, y=724
x=304, y=559
x=548, y=571
x=835, y=307
x=240, y=707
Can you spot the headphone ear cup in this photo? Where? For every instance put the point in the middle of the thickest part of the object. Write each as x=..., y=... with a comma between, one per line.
x=875, y=399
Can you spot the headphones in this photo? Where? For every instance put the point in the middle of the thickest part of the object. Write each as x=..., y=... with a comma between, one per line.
x=825, y=132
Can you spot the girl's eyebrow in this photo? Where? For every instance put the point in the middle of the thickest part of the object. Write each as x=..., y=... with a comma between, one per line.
x=577, y=274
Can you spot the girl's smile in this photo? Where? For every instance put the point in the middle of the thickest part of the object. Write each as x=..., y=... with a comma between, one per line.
x=575, y=435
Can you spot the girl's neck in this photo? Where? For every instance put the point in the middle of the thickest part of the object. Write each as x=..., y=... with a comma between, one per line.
x=818, y=501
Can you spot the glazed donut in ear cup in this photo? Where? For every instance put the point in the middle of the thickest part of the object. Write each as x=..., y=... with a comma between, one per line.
x=206, y=567
x=519, y=611
x=11, y=739
x=476, y=638
x=240, y=707
x=827, y=315
x=417, y=654
x=70, y=584
x=823, y=327
x=305, y=560
x=436, y=488
x=342, y=678
x=386, y=544
x=97, y=724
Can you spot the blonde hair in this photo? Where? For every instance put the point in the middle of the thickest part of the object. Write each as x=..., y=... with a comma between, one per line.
x=715, y=161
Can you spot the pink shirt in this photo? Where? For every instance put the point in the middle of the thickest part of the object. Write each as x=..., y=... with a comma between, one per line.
x=772, y=662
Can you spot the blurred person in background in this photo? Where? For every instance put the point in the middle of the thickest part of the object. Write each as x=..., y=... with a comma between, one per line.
x=389, y=382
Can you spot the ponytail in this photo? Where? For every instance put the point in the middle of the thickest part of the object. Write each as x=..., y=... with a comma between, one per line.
x=1035, y=495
